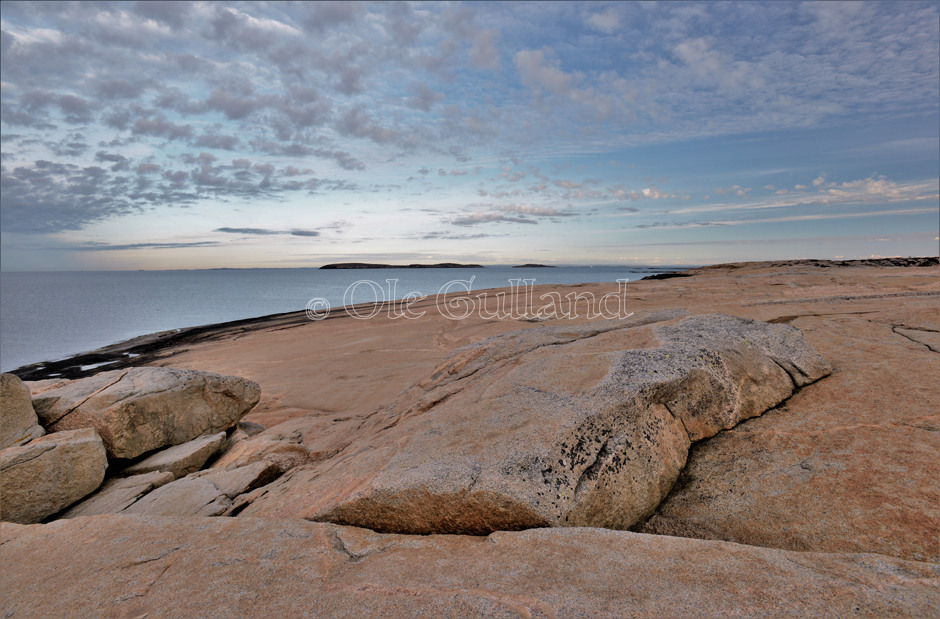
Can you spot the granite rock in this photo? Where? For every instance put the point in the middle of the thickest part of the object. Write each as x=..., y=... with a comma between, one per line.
x=49, y=473
x=124, y=566
x=18, y=421
x=117, y=494
x=141, y=409
x=573, y=425
x=206, y=493
x=180, y=460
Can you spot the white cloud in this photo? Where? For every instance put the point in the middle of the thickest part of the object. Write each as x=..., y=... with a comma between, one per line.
x=538, y=72
x=607, y=22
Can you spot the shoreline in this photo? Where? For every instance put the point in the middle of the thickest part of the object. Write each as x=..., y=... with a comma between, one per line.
x=824, y=449
x=149, y=348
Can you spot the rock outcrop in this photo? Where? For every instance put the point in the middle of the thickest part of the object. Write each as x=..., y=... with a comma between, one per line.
x=49, y=473
x=581, y=425
x=180, y=460
x=206, y=493
x=122, y=566
x=18, y=421
x=142, y=409
x=848, y=465
x=284, y=454
x=117, y=494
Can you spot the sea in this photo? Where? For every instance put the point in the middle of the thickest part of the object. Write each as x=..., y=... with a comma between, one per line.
x=47, y=316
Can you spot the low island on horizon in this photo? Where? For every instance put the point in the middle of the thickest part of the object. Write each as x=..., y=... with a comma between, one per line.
x=366, y=265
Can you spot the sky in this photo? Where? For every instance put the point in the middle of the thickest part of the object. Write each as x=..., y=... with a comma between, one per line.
x=169, y=135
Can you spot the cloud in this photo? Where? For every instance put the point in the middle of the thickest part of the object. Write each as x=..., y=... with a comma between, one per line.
x=485, y=53
x=130, y=246
x=539, y=72
x=537, y=211
x=484, y=218
x=424, y=98
x=158, y=126
x=734, y=190
x=222, y=142
x=268, y=231
x=607, y=22
x=361, y=91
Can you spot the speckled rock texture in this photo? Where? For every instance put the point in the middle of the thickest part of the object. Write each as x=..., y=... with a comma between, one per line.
x=553, y=426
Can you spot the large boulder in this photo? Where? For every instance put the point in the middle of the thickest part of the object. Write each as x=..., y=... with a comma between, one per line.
x=18, y=421
x=580, y=425
x=141, y=409
x=52, y=472
x=123, y=566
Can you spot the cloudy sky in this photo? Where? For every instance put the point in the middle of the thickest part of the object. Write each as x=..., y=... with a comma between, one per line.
x=156, y=135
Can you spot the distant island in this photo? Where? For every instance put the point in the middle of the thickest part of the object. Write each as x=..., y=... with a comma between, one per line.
x=365, y=265
x=534, y=266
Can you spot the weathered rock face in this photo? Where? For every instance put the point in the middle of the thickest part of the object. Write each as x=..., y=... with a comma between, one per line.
x=18, y=421
x=52, y=472
x=123, y=566
x=283, y=453
x=581, y=425
x=180, y=460
x=207, y=493
x=142, y=409
x=848, y=465
x=117, y=494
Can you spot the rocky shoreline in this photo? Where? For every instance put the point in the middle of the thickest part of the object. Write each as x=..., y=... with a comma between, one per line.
x=754, y=438
x=147, y=349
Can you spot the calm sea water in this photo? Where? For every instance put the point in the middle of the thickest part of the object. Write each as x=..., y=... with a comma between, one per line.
x=45, y=316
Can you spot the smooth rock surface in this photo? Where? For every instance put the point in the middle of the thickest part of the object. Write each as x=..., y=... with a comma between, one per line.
x=18, y=421
x=553, y=426
x=871, y=438
x=117, y=494
x=206, y=493
x=122, y=566
x=180, y=460
x=142, y=409
x=49, y=473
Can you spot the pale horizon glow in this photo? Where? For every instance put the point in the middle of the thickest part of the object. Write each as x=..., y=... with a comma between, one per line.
x=182, y=135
